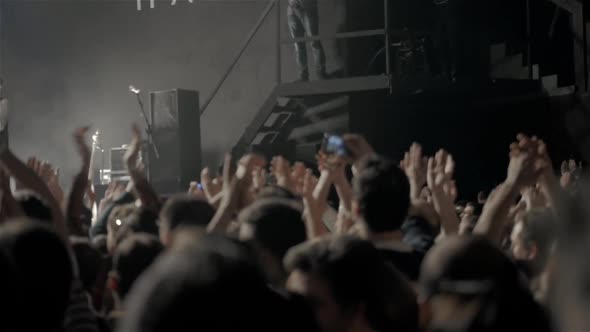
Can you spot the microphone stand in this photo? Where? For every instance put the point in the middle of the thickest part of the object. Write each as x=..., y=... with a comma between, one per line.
x=149, y=132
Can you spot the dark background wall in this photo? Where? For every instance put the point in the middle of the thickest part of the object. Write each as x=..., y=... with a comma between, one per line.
x=68, y=63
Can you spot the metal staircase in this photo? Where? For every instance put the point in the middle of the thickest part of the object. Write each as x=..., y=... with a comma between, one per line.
x=296, y=115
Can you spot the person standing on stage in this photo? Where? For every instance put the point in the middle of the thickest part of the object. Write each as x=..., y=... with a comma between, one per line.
x=304, y=20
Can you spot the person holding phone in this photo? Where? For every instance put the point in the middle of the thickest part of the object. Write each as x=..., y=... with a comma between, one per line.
x=303, y=20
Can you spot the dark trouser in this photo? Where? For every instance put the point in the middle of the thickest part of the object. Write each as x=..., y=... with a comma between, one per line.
x=304, y=20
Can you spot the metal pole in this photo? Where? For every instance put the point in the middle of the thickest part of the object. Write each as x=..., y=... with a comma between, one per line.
x=247, y=41
x=279, y=53
x=387, y=41
x=529, y=37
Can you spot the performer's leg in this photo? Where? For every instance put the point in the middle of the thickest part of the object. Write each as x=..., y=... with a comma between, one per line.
x=311, y=22
x=297, y=30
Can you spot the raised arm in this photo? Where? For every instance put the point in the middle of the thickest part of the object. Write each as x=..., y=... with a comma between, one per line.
x=315, y=193
x=439, y=177
x=28, y=179
x=521, y=173
x=75, y=205
x=141, y=186
x=336, y=166
x=8, y=205
x=233, y=192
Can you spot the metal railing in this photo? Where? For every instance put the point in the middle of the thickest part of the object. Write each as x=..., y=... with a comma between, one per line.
x=581, y=46
x=276, y=4
x=238, y=56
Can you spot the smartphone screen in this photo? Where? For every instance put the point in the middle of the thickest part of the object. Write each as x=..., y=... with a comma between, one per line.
x=334, y=144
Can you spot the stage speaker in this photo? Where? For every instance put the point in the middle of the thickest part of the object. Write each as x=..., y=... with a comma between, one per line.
x=175, y=118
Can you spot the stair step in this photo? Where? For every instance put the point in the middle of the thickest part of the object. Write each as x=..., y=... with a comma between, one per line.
x=340, y=85
x=497, y=52
x=562, y=91
x=509, y=67
x=549, y=82
x=282, y=101
x=317, y=110
x=307, y=152
x=258, y=122
x=335, y=124
x=265, y=138
x=277, y=120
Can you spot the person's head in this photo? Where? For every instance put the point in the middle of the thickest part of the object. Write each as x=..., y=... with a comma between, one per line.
x=33, y=206
x=43, y=270
x=141, y=220
x=89, y=261
x=532, y=239
x=350, y=286
x=273, y=226
x=133, y=256
x=381, y=195
x=468, y=284
x=183, y=210
x=274, y=191
x=100, y=243
x=468, y=218
x=211, y=285
x=115, y=223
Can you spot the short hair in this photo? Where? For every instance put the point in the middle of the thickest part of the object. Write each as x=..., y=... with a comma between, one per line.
x=275, y=191
x=185, y=210
x=141, y=220
x=277, y=224
x=382, y=190
x=33, y=206
x=538, y=228
x=133, y=256
x=359, y=275
x=201, y=287
x=89, y=261
x=44, y=271
x=100, y=243
x=471, y=268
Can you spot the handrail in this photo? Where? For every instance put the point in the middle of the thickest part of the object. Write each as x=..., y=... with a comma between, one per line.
x=237, y=58
x=257, y=26
x=355, y=34
x=572, y=6
x=340, y=35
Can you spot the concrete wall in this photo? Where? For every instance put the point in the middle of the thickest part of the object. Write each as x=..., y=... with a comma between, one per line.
x=68, y=63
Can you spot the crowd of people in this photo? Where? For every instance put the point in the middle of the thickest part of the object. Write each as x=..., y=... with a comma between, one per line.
x=361, y=243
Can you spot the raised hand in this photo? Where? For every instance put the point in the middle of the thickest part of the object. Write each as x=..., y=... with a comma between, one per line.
x=28, y=178
x=415, y=166
x=75, y=205
x=211, y=187
x=50, y=175
x=528, y=162
x=132, y=155
x=315, y=203
x=146, y=194
x=81, y=145
x=287, y=176
x=524, y=167
x=440, y=171
x=359, y=149
x=335, y=167
x=235, y=192
x=281, y=169
x=568, y=170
